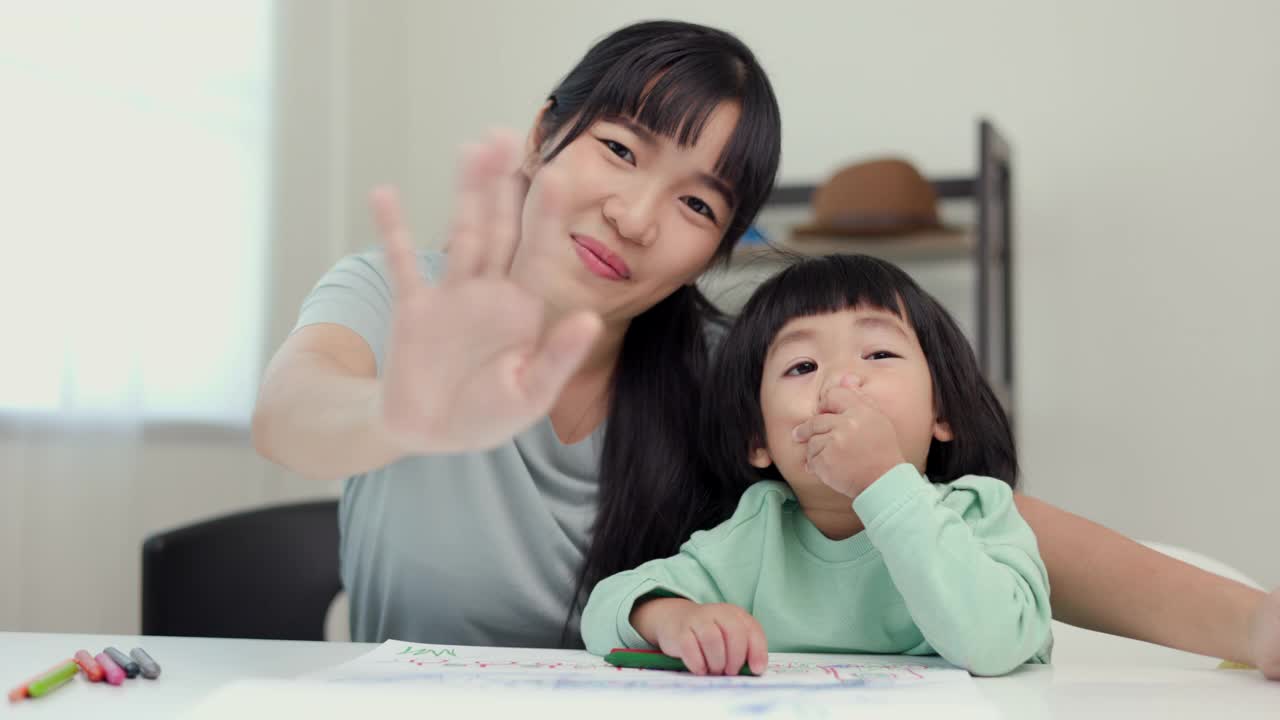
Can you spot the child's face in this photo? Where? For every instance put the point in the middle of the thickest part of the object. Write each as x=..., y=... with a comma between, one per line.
x=883, y=359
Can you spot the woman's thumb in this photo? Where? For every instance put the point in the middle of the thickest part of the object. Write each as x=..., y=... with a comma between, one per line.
x=562, y=351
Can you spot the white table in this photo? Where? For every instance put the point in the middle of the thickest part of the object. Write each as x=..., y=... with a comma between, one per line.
x=194, y=667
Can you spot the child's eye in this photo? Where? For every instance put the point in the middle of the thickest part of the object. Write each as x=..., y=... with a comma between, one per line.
x=700, y=207
x=882, y=355
x=802, y=368
x=620, y=150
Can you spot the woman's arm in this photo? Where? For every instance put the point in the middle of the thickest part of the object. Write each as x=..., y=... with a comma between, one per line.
x=318, y=412
x=1102, y=580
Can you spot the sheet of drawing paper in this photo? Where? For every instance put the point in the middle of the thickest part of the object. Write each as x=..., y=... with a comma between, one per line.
x=577, y=684
x=361, y=701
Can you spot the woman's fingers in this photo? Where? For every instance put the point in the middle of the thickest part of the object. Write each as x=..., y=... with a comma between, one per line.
x=486, y=222
x=507, y=189
x=401, y=261
x=545, y=239
x=466, y=242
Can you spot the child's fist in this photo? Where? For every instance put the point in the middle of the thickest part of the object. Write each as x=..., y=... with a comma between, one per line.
x=850, y=443
x=711, y=639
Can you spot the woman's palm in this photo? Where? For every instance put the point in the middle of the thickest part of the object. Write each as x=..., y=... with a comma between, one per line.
x=469, y=363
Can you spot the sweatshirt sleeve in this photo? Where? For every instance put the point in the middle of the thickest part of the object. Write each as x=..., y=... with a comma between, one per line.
x=714, y=566
x=966, y=563
x=606, y=621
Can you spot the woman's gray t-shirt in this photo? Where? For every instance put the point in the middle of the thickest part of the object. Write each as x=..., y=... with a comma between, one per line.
x=479, y=548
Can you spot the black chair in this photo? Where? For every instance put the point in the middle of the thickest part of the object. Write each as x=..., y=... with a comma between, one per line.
x=268, y=573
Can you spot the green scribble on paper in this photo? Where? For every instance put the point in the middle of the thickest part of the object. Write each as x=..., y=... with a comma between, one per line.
x=436, y=652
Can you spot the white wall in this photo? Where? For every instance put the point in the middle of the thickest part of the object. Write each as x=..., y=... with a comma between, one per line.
x=1145, y=152
x=1146, y=155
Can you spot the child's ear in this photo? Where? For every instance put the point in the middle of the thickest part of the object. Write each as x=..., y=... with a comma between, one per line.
x=942, y=431
x=760, y=458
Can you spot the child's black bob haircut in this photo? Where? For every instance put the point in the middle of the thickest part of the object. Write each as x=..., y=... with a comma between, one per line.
x=732, y=423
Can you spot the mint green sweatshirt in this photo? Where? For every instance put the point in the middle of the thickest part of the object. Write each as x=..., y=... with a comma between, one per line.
x=948, y=569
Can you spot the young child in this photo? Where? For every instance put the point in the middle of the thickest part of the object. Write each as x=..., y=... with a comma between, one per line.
x=878, y=515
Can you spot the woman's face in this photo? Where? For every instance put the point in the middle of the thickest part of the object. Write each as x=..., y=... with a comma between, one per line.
x=622, y=217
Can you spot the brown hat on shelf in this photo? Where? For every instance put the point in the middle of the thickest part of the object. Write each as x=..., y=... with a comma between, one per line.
x=883, y=197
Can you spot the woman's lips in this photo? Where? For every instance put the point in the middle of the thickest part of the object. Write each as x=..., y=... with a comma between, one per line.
x=599, y=260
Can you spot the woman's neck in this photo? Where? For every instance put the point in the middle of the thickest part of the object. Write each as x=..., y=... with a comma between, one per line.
x=583, y=402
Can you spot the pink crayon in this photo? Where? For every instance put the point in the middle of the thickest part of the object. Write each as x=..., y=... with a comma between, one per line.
x=92, y=670
x=115, y=675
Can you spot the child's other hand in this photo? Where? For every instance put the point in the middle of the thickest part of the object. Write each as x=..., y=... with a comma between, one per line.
x=1266, y=636
x=850, y=442
x=711, y=639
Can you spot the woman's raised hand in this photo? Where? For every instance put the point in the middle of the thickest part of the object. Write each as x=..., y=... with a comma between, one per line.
x=469, y=362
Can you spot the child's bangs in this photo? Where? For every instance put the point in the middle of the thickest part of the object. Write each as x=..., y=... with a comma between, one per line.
x=826, y=285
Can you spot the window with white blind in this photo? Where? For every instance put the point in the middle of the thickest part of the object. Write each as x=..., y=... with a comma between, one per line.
x=134, y=179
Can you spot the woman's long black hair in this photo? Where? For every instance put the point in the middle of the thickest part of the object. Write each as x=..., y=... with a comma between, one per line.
x=669, y=77
x=732, y=423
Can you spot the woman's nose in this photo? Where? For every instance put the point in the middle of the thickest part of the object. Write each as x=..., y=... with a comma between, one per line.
x=634, y=215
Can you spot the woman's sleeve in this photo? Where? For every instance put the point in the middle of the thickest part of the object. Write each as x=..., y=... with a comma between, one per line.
x=356, y=294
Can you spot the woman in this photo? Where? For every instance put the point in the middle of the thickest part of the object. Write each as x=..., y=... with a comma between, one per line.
x=517, y=418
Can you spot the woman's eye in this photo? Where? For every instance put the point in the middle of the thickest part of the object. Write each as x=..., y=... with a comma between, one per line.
x=802, y=368
x=700, y=207
x=620, y=150
x=882, y=355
